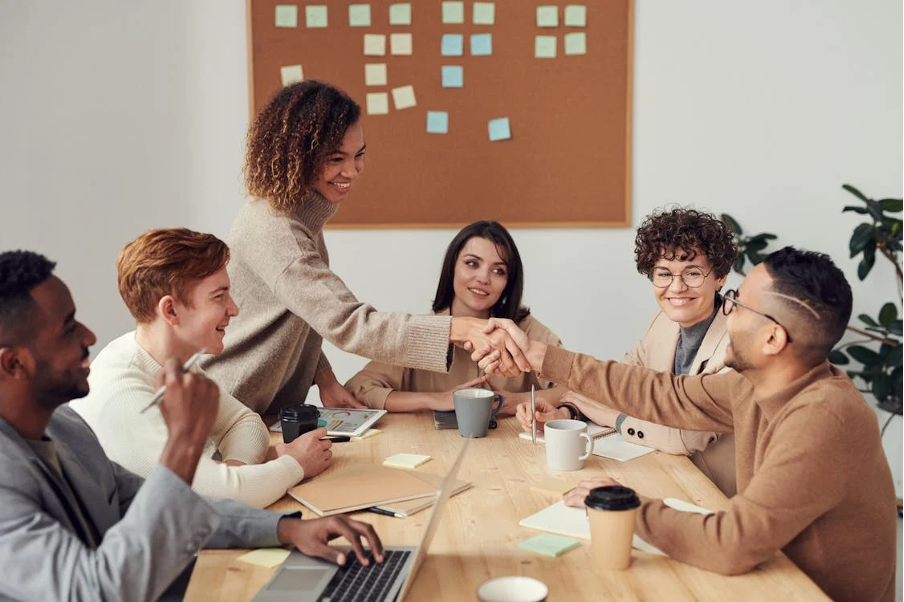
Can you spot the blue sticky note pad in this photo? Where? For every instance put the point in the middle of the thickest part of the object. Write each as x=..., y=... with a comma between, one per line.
x=453, y=76
x=549, y=544
x=481, y=44
x=500, y=129
x=453, y=44
x=437, y=122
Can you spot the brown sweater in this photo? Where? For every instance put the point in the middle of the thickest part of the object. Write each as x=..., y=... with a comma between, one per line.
x=812, y=478
x=289, y=298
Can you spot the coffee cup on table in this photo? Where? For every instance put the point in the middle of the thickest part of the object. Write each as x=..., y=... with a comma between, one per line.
x=611, y=511
x=567, y=444
x=474, y=410
x=296, y=420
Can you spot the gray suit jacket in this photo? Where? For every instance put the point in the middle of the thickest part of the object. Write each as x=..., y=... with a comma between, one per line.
x=151, y=529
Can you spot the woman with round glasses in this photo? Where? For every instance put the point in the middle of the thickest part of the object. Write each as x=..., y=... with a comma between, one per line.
x=687, y=255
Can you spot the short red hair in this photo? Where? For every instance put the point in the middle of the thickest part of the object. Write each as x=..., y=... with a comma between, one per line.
x=167, y=261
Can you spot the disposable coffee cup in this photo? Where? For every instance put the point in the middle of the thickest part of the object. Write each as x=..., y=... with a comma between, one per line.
x=611, y=511
x=296, y=420
x=474, y=410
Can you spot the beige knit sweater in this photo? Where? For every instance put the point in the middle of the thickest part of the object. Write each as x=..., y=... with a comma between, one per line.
x=289, y=298
x=812, y=478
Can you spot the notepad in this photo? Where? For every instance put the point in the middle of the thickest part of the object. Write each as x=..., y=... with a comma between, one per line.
x=405, y=460
x=409, y=507
x=265, y=557
x=549, y=544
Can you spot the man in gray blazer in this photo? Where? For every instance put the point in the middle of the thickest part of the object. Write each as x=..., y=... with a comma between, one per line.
x=73, y=524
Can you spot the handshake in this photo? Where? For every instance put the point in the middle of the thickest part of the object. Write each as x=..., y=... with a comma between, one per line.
x=498, y=345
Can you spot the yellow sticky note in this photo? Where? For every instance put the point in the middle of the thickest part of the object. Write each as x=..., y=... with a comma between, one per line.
x=291, y=74
x=315, y=16
x=484, y=13
x=359, y=15
x=545, y=47
x=575, y=16
x=400, y=44
x=374, y=45
x=265, y=557
x=286, y=15
x=405, y=460
x=400, y=14
x=375, y=74
x=370, y=432
x=403, y=97
x=575, y=43
x=453, y=12
x=377, y=104
x=547, y=16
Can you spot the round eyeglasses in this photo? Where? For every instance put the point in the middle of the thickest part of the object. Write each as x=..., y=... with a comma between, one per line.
x=691, y=277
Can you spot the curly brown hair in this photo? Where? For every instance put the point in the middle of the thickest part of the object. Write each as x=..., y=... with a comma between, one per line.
x=291, y=139
x=665, y=232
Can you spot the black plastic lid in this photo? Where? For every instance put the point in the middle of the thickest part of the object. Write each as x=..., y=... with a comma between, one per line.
x=612, y=497
x=299, y=413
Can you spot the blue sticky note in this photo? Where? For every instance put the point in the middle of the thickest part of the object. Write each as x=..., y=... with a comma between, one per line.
x=437, y=122
x=453, y=44
x=481, y=44
x=453, y=76
x=500, y=129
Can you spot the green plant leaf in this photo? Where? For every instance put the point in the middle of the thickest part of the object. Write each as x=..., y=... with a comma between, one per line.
x=880, y=386
x=738, y=265
x=888, y=313
x=866, y=264
x=862, y=235
x=732, y=224
x=894, y=327
x=838, y=358
x=757, y=245
x=897, y=353
x=892, y=205
x=867, y=320
x=863, y=355
x=854, y=192
x=859, y=210
x=875, y=210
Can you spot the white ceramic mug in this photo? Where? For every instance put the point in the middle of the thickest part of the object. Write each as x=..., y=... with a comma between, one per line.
x=565, y=445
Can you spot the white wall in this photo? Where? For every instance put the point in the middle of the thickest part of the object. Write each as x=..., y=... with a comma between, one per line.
x=118, y=116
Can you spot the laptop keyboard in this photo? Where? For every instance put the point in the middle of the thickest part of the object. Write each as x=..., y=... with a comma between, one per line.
x=355, y=582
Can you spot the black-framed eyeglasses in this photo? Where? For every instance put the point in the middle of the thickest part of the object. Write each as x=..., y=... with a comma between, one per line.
x=691, y=277
x=730, y=299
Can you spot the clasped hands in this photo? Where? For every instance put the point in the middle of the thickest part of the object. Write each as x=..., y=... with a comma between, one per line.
x=498, y=346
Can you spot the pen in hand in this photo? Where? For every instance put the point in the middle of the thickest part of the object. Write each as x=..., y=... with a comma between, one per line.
x=185, y=368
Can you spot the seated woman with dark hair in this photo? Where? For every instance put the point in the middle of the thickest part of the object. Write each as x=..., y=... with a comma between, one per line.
x=686, y=254
x=481, y=277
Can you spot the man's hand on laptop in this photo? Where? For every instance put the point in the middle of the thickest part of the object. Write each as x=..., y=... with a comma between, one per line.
x=311, y=537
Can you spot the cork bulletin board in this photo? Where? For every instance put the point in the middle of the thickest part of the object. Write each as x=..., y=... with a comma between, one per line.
x=466, y=114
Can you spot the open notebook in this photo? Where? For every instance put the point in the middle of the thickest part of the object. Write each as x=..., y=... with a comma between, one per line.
x=606, y=443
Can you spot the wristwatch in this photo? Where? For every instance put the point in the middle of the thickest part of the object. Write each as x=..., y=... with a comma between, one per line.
x=573, y=410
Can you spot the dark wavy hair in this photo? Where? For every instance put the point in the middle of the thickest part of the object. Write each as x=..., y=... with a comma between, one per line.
x=509, y=303
x=291, y=139
x=20, y=271
x=815, y=282
x=665, y=232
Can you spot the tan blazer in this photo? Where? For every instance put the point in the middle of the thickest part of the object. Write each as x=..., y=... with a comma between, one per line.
x=373, y=384
x=712, y=453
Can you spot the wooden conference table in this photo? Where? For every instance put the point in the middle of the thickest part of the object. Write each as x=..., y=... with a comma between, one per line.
x=479, y=535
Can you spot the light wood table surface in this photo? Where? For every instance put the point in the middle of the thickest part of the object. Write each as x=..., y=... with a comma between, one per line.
x=479, y=535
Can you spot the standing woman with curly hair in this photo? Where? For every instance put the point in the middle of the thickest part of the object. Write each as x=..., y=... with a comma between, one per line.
x=305, y=151
x=686, y=255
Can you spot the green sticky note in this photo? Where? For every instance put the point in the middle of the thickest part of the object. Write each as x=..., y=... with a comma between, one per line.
x=400, y=14
x=547, y=16
x=315, y=16
x=575, y=16
x=359, y=15
x=286, y=15
x=549, y=544
x=545, y=47
x=453, y=12
x=575, y=43
x=484, y=13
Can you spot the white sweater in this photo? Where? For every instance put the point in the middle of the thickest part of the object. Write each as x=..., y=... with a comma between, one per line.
x=123, y=380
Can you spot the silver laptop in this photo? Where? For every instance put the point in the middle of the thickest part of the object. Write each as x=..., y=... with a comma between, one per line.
x=305, y=578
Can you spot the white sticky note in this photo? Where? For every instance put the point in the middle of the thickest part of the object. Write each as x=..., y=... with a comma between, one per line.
x=575, y=43
x=286, y=15
x=377, y=103
x=315, y=16
x=437, y=122
x=359, y=15
x=545, y=47
x=400, y=14
x=291, y=74
x=453, y=12
x=405, y=460
x=400, y=44
x=374, y=44
x=499, y=129
x=484, y=13
x=403, y=97
x=575, y=15
x=375, y=74
x=547, y=16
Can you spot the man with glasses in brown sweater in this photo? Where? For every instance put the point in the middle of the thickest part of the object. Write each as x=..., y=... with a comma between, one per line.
x=812, y=478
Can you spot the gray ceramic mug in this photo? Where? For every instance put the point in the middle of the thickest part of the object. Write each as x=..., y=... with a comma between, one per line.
x=474, y=410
